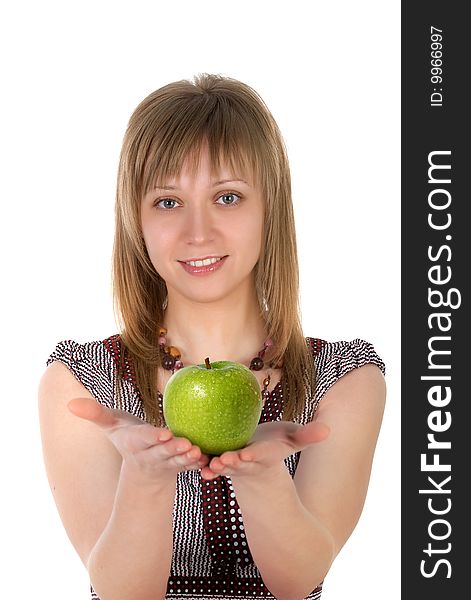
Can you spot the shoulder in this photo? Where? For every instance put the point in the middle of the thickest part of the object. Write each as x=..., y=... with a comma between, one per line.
x=99, y=352
x=333, y=360
x=93, y=364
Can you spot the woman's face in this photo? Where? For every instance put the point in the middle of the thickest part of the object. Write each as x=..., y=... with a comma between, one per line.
x=200, y=216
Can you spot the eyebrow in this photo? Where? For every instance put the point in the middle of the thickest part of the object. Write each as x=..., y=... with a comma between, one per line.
x=215, y=183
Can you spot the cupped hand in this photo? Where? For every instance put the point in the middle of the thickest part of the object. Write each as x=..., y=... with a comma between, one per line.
x=150, y=449
x=271, y=443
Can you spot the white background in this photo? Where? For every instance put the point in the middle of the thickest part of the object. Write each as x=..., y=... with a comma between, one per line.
x=72, y=74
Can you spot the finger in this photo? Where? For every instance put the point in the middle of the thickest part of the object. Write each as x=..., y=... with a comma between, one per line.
x=208, y=474
x=165, y=435
x=179, y=451
x=190, y=458
x=87, y=408
x=216, y=465
x=178, y=445
x=214, y=468
x=230, y=459
x=145, y=436
x=200, y=464
x=184, y=460
x=260, y=451
x=193, y=454
x=246, y=454
x=312, y=433
x=228, y=463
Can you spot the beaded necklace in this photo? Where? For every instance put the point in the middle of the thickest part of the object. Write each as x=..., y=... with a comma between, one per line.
x=171, y=359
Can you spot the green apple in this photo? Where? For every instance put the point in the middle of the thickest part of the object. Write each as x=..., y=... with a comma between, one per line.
x=217, y=406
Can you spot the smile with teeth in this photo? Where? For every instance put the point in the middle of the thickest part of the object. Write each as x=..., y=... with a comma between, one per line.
x=202, y=263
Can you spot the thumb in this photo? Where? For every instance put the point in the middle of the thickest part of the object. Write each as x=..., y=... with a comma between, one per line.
x=312, y=433
x=87, y=408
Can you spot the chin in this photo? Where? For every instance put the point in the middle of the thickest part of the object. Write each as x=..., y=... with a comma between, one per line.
x=205, y=295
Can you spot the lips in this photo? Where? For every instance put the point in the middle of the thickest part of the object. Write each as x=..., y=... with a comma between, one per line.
x=202, y=262
x=200, y=268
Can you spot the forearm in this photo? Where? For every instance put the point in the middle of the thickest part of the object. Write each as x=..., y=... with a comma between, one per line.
x=132, y=557
x=291, y=548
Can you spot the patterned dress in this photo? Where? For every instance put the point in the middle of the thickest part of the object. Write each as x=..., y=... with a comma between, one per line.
x=211, y=557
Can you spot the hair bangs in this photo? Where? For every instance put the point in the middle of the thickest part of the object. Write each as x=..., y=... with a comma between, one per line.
x=228, y=136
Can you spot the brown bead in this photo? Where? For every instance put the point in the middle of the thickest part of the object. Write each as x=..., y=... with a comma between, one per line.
x=173, y=351
x=256, y=364
x=162, y=331
x=168, y=362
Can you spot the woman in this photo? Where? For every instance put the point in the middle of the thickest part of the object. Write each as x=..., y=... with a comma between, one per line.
x=205, y=265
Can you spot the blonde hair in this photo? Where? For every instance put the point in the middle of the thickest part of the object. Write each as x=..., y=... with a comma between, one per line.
x=168, y=127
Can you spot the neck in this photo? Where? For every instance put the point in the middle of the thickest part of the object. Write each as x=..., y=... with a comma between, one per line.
x=228, y=329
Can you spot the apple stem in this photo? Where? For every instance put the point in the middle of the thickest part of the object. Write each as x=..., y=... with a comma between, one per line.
x=207, y=363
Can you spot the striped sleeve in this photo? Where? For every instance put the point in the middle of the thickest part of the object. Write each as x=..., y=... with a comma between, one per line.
x=339, y=358
x=91, y=364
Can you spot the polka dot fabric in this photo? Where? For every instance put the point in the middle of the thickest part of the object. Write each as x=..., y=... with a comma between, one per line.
x=223, y=526
x=211, y=557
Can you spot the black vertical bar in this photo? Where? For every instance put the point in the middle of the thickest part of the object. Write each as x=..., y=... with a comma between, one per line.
x=436, y=258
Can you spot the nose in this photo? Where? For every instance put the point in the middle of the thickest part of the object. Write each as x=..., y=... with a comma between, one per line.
x=199, y=225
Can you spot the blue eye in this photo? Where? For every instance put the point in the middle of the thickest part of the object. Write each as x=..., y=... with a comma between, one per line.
x=159, y=202
x=228, y=197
